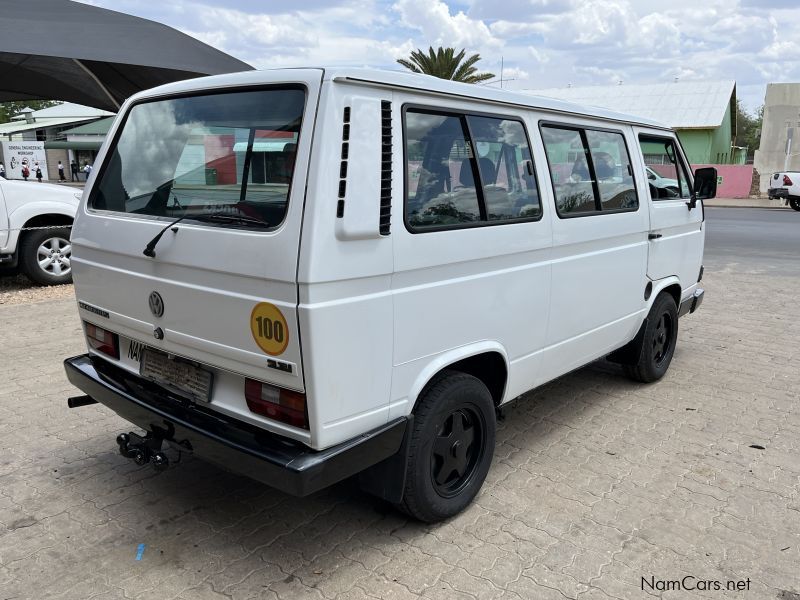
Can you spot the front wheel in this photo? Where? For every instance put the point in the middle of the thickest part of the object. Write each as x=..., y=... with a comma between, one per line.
x=658, y=345
x=46, y=256
x=794, y=202
x=451, y=447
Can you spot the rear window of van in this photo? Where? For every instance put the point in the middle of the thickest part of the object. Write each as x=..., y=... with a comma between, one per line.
x=230, y=154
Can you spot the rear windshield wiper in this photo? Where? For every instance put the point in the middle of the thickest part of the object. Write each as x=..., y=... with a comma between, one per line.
x=217, y=217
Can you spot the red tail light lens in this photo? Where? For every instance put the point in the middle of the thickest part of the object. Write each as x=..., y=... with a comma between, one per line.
x=787, y=180
x=276, y=403
x=102, y=341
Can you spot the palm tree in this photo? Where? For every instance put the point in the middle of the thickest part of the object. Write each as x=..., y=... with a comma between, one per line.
x=446, y=64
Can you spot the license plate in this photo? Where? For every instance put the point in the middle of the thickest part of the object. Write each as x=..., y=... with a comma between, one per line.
x=177, y=374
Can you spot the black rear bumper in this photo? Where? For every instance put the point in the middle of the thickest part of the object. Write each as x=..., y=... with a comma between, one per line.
x=692, y=303
x=773, y=193
x=277, y=461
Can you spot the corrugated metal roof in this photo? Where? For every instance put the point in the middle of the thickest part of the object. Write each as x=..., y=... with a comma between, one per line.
x=98, y=127
x=66, y=109
x=10, y=128
x=682, y=105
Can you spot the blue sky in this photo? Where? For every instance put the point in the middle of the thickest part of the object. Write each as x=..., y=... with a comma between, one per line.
x=543, y=43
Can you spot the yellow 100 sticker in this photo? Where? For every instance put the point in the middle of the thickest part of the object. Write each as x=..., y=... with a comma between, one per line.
x=269, y=328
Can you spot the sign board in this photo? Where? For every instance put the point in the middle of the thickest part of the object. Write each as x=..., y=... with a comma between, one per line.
x=719, y=179
x=17, y=154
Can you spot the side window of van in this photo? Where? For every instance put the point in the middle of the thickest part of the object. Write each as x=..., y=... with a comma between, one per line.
x=464, y=170
x=666, y=173
x=590, y=170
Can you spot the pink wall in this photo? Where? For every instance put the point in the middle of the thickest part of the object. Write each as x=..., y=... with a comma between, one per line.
x=736, y=180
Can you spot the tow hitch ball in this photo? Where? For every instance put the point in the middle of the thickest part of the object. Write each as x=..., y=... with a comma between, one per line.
x=143, y=450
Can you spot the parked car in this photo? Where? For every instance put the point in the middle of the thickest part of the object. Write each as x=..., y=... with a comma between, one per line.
x=35, y=221
x=381, y=261
x=786, y=186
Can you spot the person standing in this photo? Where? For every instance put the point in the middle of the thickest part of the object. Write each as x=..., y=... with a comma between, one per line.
x=87, y=170
x=25, y=171
x=73, y=170
x=2, y=171
x=38, y=173
x=61, y=172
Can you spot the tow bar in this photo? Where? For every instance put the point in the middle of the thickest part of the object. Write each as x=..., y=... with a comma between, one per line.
x=143, y=450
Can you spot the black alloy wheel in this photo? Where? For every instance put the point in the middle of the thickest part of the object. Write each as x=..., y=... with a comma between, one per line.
x=662, y=338
x=457, y=450
x=658, y=345
x=450, y=447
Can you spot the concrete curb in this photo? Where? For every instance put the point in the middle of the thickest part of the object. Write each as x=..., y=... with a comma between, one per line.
x=744, y=203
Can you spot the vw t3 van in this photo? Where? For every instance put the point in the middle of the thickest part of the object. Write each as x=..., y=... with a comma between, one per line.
x=308, y=274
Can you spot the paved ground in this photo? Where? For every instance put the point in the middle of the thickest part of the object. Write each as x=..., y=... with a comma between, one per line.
x=596, y=483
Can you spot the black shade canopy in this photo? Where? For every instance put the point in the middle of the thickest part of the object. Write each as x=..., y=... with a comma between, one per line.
x=63, y=50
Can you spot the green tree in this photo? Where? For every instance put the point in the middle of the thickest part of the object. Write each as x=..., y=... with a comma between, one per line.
x=446, y=64
x=11, y=109
x=748, y=128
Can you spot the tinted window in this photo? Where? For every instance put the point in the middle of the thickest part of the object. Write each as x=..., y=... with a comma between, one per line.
x=590, y=170
x=441, y=182
x=569, y=169
x=504, y=161
x=666, y=173
x=612, y=167
x=467, y=170
x=231, y=153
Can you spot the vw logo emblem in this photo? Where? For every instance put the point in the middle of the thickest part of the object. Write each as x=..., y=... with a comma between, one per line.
x=156, y=304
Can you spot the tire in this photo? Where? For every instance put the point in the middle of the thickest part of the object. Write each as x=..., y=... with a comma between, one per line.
x=45, y=256
x=658, y=344
x=450, y=449
x=794, y=202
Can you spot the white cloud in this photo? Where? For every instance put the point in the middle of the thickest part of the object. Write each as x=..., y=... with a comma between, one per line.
x=546, y=43
x=440, y=28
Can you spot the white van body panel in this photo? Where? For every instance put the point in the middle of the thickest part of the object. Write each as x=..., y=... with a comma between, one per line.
x=373, y=317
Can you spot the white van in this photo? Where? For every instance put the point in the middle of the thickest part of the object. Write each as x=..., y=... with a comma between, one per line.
x=306, y=274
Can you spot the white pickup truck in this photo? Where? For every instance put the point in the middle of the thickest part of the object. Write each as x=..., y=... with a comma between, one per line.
x=35, y=222
x=786, y=185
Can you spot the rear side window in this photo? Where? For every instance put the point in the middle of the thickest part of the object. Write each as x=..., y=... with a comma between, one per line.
x=465, y=170
x=228, y=156
x=590, y=170
x=666, y=173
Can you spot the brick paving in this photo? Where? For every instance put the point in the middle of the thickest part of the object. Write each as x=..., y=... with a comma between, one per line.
x=597, y=482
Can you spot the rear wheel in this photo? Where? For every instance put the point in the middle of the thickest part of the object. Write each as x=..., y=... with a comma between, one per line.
x=658, y=345
x=794, y=202
x=46, y=256
x=450, y=449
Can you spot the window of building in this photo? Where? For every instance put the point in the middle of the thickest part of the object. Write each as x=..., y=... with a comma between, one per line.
x=590, y=170
x=666, y=172
x=466, y=170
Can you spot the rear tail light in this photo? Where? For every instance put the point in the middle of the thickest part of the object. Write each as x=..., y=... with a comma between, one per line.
x=787, y=180
x=103, y=341
x=276, y=403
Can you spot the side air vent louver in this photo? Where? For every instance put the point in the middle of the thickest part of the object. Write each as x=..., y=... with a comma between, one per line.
x=343, y=164
x=386, y=168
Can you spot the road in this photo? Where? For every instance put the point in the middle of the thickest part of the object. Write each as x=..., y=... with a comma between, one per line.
x=598, y=485
x=753, y=240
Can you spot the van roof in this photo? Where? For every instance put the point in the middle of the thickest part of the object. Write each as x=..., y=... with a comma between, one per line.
x=409, y=81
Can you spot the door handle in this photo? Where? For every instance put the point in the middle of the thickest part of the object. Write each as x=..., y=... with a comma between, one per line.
x=653, y=236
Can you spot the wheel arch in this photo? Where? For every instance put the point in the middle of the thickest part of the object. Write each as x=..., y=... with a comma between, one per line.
x=487, y=361
x=670, y=285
